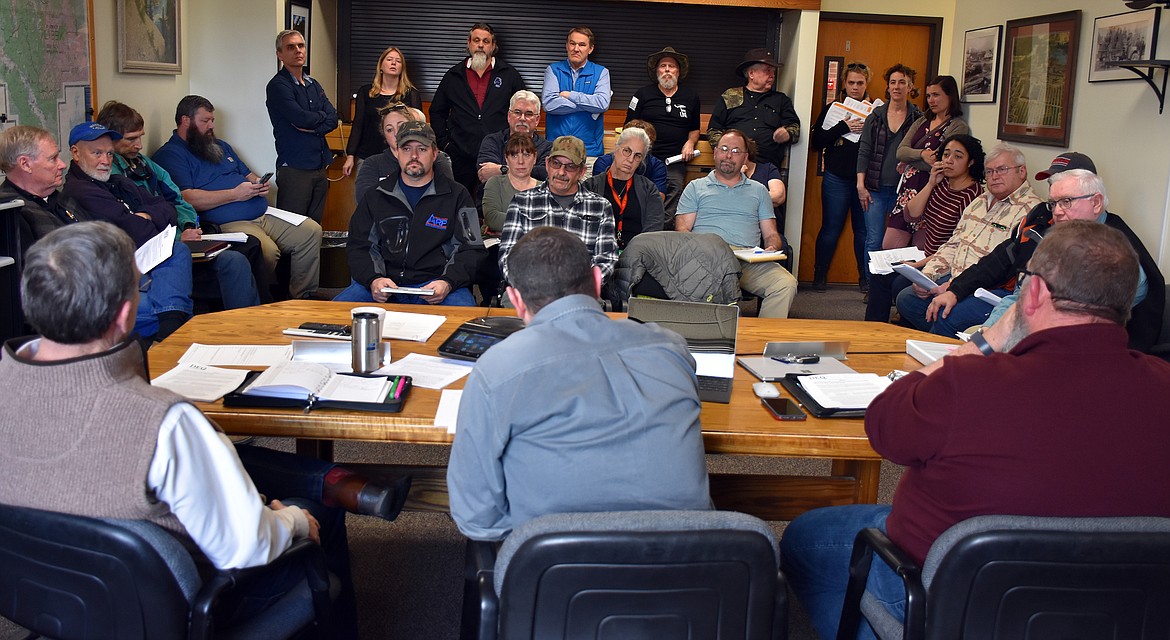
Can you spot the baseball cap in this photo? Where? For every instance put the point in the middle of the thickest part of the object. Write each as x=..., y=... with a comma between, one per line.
x=417, y=131
x=569, y=147
x=1066, y=161
x=87, y=131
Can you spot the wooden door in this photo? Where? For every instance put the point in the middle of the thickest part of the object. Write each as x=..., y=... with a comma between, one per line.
x=879, y=45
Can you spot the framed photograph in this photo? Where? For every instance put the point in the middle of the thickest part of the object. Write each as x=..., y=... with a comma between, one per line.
x=148, y=36
x=1040, y=58
x=298, y=15
x=1121, y=38
x=981, y=64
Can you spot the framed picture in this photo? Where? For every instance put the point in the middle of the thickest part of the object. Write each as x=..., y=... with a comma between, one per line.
x=1040, y=55
x=981, y=64
x=298, y=15
x=148, y=36
x=1120, y=38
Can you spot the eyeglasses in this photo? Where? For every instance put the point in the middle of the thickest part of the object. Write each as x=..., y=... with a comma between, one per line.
x=856, y=65
x=393, y=106
x=735, y=151
x=630, y=153
x=559, y=164
x=1000, y=171
x=524, y=114
x=1028, y=273
x=1066, y=203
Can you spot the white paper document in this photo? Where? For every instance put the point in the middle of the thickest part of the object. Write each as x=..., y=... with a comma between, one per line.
x=410, y=291
x=200, y=382
x=881, y=262
x=988, y=297
x=849, y=108
x=756, y=254
x=428, y=372
x=845, y=390
x=927, y=352
x=304, y=379
x=225, y=237
x=419, y=327
x=154, y=251
x=295, y=219
x=244, y=355
x=448, y=409
x=915, y=276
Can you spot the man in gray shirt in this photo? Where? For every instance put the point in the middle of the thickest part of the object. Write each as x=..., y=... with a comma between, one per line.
x=576, y=412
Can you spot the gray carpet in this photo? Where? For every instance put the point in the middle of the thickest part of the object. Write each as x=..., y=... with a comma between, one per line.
x=408, y=573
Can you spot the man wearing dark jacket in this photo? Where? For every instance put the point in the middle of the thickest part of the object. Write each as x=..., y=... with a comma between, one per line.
x=415, y=229
x=472, y=101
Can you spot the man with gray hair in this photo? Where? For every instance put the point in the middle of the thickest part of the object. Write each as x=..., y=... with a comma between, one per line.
x=634, y=199
x=523, y=116
x=301, y=115
x=674, y=112
x=985, y=223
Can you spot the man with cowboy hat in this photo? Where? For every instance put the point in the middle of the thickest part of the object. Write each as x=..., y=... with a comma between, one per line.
x=674, y=112
x=766, y=115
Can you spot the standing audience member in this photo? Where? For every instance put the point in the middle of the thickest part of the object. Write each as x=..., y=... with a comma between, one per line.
x=839, y=199
x=391, y=85
x=472, y=101
x=877, y=159
x=635, y=444
x=1062, y=452
x=576, y=94
x=301, y=115
x=674, y=112
x=634, y=200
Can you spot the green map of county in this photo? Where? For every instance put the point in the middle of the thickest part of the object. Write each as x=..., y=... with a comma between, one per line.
x=44, y=64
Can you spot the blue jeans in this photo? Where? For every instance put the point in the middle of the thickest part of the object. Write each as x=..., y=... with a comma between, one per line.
x=839, y=198
x=357, y=292
x=166, y=288
x=969, y=312
x=882, y=288
x=875, y=218
x=237, y=286
x=814, y=554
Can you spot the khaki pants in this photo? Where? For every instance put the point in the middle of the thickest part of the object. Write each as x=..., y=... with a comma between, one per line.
x=772, y=282
x=302, y=242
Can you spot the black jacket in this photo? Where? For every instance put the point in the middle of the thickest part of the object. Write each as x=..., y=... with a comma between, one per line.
x=117, y=200
x=459, y=122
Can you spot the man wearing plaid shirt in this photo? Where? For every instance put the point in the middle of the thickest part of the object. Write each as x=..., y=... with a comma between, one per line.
x=561, y=202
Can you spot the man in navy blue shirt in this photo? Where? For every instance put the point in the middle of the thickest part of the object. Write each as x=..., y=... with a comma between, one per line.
x=301, y=115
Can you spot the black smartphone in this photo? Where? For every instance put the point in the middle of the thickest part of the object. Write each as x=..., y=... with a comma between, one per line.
x=783, y=408
x=265, y=178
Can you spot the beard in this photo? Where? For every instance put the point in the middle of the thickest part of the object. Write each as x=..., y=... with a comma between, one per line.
x=101, y=175
x=667, y=82
x=204, y=145
x=415, y=170
x=1020, y=330
x=479, y=61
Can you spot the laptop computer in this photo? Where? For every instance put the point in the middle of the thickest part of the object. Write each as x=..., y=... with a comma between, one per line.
x=709, y=330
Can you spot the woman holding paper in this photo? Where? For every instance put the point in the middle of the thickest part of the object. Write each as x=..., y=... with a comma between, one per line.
x=839, y=198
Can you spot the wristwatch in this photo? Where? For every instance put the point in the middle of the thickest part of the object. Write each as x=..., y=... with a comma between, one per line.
x=978, y=340
x=503, y=169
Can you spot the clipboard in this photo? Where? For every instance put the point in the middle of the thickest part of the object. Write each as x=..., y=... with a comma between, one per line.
x=791, y=384
x=389, y=405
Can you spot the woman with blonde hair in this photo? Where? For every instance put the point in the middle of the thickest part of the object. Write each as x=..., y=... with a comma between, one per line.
x=391, y=85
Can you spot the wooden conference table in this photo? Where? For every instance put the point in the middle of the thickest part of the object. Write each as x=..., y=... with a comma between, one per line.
x=742, y=427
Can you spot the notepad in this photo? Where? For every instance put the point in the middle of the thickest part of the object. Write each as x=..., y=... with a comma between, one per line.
x=306, y=380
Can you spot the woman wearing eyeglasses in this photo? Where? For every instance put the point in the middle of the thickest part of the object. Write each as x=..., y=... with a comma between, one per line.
x=838, y=186
x=391, y=84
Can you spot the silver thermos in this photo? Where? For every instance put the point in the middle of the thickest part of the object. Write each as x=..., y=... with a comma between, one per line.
x=366, y=343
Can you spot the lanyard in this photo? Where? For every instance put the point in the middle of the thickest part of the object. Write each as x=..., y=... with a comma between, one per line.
x=621, y=200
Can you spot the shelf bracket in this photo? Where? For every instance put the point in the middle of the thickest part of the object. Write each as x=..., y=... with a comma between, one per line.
x=1147, y=70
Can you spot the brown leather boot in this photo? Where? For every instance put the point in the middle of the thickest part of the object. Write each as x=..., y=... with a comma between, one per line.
x=358, y=494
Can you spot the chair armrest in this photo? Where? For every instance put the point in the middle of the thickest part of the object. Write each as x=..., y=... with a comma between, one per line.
x=481, y=606
x=870, y=542
x=303, y=551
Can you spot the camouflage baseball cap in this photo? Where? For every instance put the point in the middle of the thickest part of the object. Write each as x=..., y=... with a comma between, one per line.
x=417, y=131
x=569, y=147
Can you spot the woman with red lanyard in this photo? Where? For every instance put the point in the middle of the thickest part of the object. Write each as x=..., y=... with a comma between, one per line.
x=635, y=199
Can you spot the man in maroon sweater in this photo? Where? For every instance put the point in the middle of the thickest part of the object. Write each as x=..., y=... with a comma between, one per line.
x=1057, y=446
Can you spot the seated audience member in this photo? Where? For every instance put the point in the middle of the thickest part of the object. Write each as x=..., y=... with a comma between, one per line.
x=520, y=155
x=215, y=180
x=635, y=201
x=617, y=424
x=768, y=175
x=1061, y=453
x=233, y=269
x=739, y=210
x=561, y=202
x=523, y=116
x=114, y=446
x=986, y=222
x=1073, y=194
x=931, y=215
x=32, y=163
x=376, y=168
x=650, y=167
x=410, y=231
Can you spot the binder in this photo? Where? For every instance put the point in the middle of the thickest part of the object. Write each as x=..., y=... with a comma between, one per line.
x=388, y=405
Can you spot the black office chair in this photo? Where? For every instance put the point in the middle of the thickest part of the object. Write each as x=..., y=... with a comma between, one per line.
x=68, y=577
x=654, y=575
x=1023, y=578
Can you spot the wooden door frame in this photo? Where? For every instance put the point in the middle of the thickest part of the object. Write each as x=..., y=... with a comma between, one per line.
x=935, y=24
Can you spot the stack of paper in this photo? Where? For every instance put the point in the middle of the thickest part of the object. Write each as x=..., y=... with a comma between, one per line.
x=849, y=108
x=756, y=254
x=845, y=390
x=928, y=352
x=881, y=262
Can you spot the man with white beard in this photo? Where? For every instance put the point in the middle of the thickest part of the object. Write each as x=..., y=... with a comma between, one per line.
x=472, y=101
x=674, y=112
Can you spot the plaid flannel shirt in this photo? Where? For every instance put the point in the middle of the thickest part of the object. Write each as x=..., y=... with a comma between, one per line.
x=589, y=218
